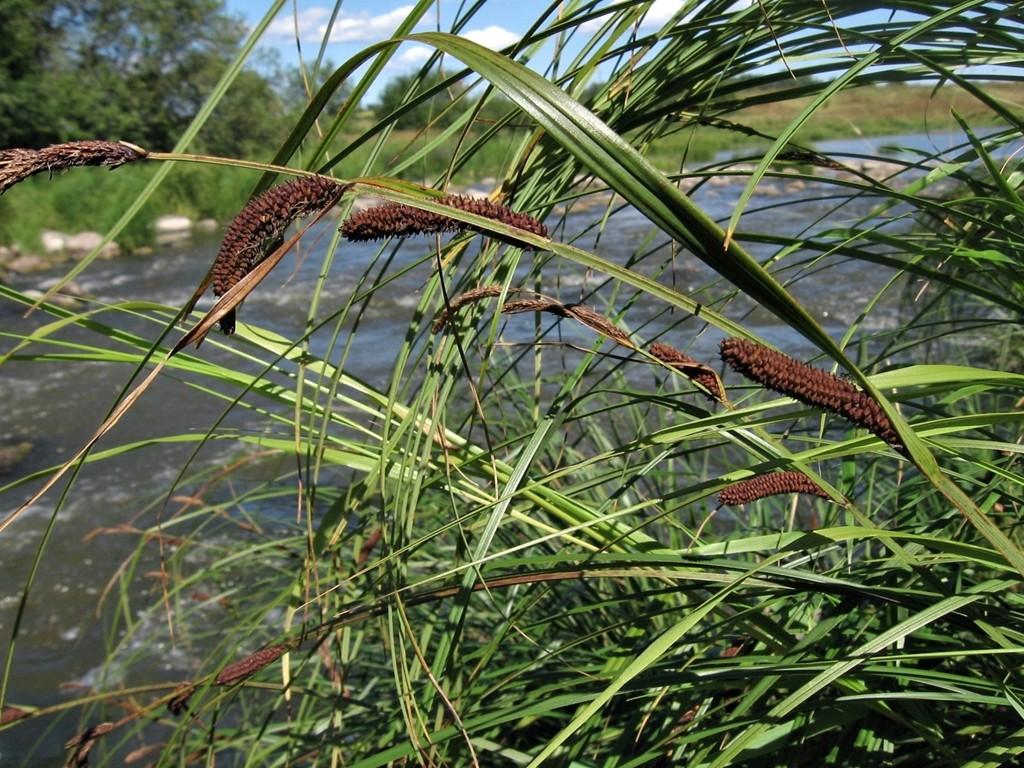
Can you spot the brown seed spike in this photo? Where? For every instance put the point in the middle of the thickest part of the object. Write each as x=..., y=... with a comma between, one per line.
x=518, y=306
x=579, y=312
x=769, y=485
x=11, y=714
x=18, y=164
x=263, y=221
x=469, y=297
x=179, y=702
x=690, y=368
x=395, y=220
x=809, y=385
x=251, y=664
x=83, y=743
x=399, y=220
x=598, y=322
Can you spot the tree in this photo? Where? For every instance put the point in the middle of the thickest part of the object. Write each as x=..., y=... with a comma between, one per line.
x=432, y=112
x=27, y=94
x=293, y=88
x=135, y=70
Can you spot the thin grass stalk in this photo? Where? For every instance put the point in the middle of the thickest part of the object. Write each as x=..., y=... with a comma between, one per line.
x=463, y=299
x=531, y=656
x=580, y=312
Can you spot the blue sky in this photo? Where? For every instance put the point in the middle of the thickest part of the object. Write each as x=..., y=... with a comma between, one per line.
x=362, y=22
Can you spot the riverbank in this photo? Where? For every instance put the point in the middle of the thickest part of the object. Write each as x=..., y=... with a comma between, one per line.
x=172, y=229
x=91, y=201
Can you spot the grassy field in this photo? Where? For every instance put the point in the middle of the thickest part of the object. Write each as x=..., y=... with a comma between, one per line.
x=880, y=110
x=94, y=201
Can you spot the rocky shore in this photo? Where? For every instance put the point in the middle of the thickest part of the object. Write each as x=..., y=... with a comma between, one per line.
x=168, y=230
x=55, y=247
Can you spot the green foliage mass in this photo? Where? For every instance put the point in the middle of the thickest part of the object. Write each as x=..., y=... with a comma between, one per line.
x=428, y=101
x=435, y=111
x=507, y=549
x=137, y=71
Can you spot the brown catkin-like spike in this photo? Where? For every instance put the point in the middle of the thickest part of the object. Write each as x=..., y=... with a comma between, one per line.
x=811, y=386
x=11, y=714
x=469, y=297
x=251, y=664
x=693, y=370
x=18, y=164
x=367, y=549
x=84, y=742
x=598, y=322
x=399, y=220
x=768, y=485
x=579, y=312
x=179, y=703
x=262, y=222
x=517, y=306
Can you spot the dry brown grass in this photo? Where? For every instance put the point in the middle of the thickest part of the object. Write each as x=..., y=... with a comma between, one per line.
x=690, y=368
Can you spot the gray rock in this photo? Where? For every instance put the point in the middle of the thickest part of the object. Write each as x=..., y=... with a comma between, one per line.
x=84, y=243
x=723, y=181
x=71, y=289
x=171, y=223
x=12, y=454
x=207, y=225
x=53, y=241
x=28, y=262
x=58, y=299
x=881, y=170
x=172, y=238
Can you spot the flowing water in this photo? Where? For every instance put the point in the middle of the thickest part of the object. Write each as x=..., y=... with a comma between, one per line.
x=55, y=406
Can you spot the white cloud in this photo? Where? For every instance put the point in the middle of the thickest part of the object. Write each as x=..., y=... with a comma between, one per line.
x=493, y=37
x=283, y=27
x=659, y=14
x=416, y=54
x=363, y=27
x=348, y=27
x=592, y=26
x=661, y=11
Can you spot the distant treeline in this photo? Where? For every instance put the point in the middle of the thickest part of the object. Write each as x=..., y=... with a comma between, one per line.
x=139, y=70
x=136, y=70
